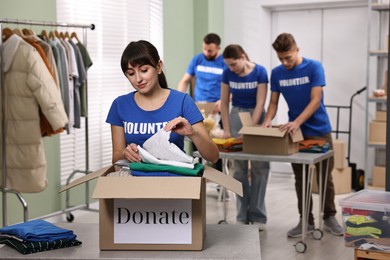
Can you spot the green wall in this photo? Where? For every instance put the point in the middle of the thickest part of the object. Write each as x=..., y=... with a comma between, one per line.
x=183, y=34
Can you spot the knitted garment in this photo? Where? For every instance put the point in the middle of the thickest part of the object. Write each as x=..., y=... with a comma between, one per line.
x=38, y=231
x=154, y=174
x=35, y=247
x=148, y=167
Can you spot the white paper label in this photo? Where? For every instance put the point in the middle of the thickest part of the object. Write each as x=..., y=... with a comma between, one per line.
x=152, y=221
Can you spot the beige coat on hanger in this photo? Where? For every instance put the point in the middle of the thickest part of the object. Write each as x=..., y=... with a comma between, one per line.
x=28, y=86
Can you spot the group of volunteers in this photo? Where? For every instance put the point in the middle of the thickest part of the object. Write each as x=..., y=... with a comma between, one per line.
x=236, y=84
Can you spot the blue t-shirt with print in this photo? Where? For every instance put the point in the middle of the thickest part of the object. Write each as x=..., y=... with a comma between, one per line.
x=139, y=124
x=244, y=89
x=208, y=75
x=295, y=86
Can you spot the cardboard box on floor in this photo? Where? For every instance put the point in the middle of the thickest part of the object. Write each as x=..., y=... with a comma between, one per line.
x=342, y=180
x=340, y=154
x=153, y=213
x=264, y=140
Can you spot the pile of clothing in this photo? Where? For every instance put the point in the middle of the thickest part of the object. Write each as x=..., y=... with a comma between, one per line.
x=229, y=144
x=163, y=158
x=364, y=226
x=313, y=146
x=36, y=236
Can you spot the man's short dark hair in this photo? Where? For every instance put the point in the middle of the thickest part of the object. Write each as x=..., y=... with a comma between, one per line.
x=284, y=42
x=212, y=38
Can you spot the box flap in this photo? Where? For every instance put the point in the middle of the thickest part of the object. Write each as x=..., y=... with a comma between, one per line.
x=261, y=131
x=87, y=177
x=148, y=188
x=245, y=118
x=222, y=179
x=297, y=136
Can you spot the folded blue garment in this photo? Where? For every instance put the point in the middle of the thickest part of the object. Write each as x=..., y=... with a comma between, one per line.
x=38, y=231
x=153, y=174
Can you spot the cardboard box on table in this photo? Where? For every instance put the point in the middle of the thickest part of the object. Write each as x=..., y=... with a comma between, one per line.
x=267, y=140
x=206, y=107
x=153, y=213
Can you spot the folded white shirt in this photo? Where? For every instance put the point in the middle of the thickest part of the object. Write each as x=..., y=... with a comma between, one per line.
x=159, y=146
x=149, y=158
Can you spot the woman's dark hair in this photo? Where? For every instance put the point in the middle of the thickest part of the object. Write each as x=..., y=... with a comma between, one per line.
x=234, y=51
x=139, y=53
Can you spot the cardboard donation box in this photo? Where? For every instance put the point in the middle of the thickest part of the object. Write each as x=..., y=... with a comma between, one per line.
x=153, y=213
x=262, y=140
x=206, y=107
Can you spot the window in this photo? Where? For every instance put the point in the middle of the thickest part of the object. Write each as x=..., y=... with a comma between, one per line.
x=117, y=23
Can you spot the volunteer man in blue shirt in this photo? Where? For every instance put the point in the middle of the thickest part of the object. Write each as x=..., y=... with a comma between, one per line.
x=301, y=82
x=206, y=68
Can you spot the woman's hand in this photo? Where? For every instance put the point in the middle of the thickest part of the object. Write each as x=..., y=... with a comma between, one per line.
x=131, y=153
x=181, y=126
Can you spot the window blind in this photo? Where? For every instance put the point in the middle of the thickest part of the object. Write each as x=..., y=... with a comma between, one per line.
x=117, y=23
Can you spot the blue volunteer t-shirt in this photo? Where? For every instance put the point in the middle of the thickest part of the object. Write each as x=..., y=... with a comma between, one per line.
x=295, y=85
x=244, y=89
x=139, y=124
x=208, y=75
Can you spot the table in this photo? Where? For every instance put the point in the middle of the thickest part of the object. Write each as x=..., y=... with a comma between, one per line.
x=221, y=242
x=309, y=159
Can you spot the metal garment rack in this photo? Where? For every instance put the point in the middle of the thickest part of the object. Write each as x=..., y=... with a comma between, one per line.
x=4, y=189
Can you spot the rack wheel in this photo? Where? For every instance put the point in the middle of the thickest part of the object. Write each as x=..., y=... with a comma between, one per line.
x=317, y=234
x=69, y=217
x=300, y=247
x=222, y=222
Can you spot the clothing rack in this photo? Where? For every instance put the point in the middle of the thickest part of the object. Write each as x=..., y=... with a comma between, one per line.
x=4, y=189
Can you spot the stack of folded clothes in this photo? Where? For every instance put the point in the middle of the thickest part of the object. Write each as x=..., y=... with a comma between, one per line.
x=229, y=144
x=36, y=236
x=162, y=158
x=313, y=146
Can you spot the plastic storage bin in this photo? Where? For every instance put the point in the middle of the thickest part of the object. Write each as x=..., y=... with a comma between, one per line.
x=366, y=218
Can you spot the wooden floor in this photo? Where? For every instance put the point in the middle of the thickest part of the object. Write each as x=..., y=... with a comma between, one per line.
x=282, y=215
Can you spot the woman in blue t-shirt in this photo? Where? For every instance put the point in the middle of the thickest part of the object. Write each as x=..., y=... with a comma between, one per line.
x=136, y=116
x=246, y=83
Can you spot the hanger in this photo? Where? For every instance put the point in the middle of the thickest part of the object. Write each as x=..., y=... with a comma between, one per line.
x=18, y=32
x=7, y=32
x=62, y=35
x=44, y=35
x=56, y=34
x=73, y=35
x=27, y=32
x=66, y=36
